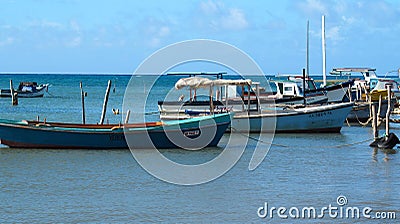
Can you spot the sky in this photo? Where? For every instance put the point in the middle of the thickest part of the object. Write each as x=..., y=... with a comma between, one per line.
x=85, y=36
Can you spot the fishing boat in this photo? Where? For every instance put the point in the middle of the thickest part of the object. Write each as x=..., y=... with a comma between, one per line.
x=27, y=90
x=253, y=116
x=335, y=92
x=186, y=134
x=291, y=91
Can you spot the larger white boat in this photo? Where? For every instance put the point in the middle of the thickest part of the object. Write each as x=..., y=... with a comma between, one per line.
x=250, y=114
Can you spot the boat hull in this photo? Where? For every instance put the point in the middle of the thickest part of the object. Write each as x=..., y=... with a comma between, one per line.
x=20, y=135
x=24, y=94
x=361, y=111
x=317, y=119
x=327, y=119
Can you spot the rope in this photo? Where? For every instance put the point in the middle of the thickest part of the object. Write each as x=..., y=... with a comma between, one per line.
x=258, y=140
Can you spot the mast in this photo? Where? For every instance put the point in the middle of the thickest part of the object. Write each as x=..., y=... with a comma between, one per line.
x=323, y=51
x=307, y=50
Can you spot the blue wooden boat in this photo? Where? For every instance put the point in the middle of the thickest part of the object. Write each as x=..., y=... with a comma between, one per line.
x=199, y=132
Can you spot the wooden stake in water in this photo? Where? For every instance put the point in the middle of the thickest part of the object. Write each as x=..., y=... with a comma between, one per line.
x=389, y=98
x=248, y=99
x=374, y=122
x=14, y=95
x=211, y=100
x=103, y=113
x=83, y=104
x=128, y=113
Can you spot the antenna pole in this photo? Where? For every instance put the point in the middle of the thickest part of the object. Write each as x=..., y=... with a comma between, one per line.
x=323, y=51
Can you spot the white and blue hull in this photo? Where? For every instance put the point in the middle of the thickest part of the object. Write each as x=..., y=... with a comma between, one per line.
x=327, y=118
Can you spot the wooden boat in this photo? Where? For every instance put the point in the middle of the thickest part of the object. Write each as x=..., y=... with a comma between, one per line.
x=166, y=134
x=311, y=119
x=253, y=116
x=335, y=93
x=292, y=92
x=27, y=90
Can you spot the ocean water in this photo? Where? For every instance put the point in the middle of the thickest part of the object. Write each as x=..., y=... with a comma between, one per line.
x=109, y=186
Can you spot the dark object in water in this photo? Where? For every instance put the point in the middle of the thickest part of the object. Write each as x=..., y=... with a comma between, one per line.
x=384, y=143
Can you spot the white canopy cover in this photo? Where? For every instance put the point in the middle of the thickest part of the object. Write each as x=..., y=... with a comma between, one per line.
x=200, y=82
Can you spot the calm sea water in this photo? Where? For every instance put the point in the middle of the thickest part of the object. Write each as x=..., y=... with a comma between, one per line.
x=100, y=186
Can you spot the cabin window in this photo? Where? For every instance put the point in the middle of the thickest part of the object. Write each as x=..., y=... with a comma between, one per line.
x=288, y=89
x=280, y=86
x=311, y=85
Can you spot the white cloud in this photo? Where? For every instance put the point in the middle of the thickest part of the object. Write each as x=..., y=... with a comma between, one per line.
x=312, y=6
x=348, y=20
x=234, y=20
x=75, y=26
x=155, y=31
x=7, y=41
x=45, y=24
x=76, y=41
x=210, y=7
x=163, y=31
x=218, y=16
x=334, y=33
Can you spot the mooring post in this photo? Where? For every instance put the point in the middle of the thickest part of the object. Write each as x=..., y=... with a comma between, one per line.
x=379, y=105
x=128, y=113
x=389, y=98
x=374, y=122
x=14, y=95
x=248, y=99
x=226, y=96
x=258, y=98
x=103, y=113
x=211, y=100
x=83, y=104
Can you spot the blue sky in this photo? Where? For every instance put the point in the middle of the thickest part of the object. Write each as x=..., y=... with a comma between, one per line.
x=115, y=36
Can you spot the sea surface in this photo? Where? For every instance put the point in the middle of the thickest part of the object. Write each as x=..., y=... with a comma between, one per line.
x=109, y=186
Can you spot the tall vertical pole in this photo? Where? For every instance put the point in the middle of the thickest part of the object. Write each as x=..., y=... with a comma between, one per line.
x=83, y=104
x=323, y=51
x=307, y=50
x=103, y=113
x=304, y=87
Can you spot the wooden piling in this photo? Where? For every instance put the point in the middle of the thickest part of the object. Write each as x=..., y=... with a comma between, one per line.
x=389, y=98
x=14, y=95
x=379, y=105
x=211, y=100
x=226, y=95
x=128, y=113
x=258, y=98
x=83, y=104
x=103, y=113
x=374, y=122
x=248, y=99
